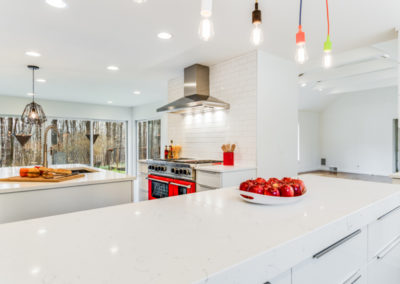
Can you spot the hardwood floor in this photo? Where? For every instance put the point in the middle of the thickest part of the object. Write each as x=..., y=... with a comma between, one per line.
x=383, y=179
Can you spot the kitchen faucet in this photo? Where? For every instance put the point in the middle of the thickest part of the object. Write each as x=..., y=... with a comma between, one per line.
x=46, y=132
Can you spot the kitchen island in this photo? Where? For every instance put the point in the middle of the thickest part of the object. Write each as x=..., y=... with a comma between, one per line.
x=338, y=233
x=27, y=200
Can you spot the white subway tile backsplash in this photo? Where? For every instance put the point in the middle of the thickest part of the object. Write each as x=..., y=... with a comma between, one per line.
x=202, y=135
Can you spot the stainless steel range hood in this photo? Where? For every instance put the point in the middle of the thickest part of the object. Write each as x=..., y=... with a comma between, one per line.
x=197, y=93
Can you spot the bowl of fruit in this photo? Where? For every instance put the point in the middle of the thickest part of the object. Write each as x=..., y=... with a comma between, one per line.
x=272, y=191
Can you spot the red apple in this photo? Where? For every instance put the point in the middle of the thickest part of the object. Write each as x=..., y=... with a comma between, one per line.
x=273, y=180
x=244, y=186
x=286, y=190
x=296, y=188
x=300, y=183
x=274, y=192
x=287, y=180
x=259, y=189
x=251, y=182
x=260, y=181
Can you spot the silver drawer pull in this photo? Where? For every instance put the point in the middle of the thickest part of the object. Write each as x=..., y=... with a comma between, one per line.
x=390, y=212
x=180, y=185
x=353, y=278
x=389, y=248
x=153, y=179
x=335, y=245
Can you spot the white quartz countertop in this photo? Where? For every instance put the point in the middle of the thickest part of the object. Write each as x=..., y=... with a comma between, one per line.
x=223, y=169
x=207, y=237
x=101, y=176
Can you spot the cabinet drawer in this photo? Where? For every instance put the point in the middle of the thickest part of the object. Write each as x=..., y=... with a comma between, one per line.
x=386, y=268
x=200, y=187
x=211, y=179
x=341, y=262
x=383, y=231
x=284, y=278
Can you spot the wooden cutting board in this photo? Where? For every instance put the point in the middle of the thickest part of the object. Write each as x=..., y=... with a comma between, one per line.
x=41, y=179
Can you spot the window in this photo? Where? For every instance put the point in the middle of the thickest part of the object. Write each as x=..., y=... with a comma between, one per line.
x=149, y=139
x=21, y=145
x=109, y=147
x=74, y=144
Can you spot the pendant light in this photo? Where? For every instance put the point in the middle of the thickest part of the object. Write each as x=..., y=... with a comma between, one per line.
x=256, y=34
x=301, y=51
x=33, y=112
x=206, y=28
x=327, y=61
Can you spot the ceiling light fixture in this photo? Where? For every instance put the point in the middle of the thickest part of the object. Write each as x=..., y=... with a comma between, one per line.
x=136, y=92
x=109, y=102
x=304, y=85
x=327, y=61
x=113, y=68
x=41, y=80
x=140, y=1
x=33, y=112
x=256, y=34
x=301, y=51
x=164, y=35
x=33, y=53
x=206, y=28
x=57, y=3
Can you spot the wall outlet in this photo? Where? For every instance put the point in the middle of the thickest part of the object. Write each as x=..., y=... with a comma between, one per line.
x=323, y=162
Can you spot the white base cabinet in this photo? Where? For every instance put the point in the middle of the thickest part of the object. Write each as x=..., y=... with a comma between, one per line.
x=370, y=255
x=18, y=206
x=341, y=262
x=284, y=278
x=208, y=179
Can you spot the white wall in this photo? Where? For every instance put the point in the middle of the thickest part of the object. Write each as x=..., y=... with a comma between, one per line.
x=15, y=105
x=357, y=132
x=277, y=99
x=202, y=135
x=310, y=153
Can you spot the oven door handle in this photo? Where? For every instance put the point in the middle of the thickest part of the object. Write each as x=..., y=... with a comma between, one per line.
x=181, y=185
x=157, y=180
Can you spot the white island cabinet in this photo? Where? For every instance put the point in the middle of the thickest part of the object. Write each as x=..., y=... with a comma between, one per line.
x=343, y=232
x=219, y=176
x=28, y=200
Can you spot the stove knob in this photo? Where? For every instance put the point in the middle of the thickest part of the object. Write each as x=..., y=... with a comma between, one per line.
x=164, y=169
x=185, y=172
x=173, y=170
x=180, y=171
x=158, y=169
x=151, y=167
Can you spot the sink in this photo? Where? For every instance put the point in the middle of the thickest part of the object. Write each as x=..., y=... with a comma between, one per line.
x=83, y=170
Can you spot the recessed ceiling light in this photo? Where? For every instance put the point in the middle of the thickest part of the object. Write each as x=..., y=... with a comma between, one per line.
x=304, y=85
x=57, y=3
x=30, y=94
x=32, y=53
x=385, y=55
x=136, y=92
x=41, y=80
x=140, y=1
x=113, y=68
x=164, y=35
x=109, y=102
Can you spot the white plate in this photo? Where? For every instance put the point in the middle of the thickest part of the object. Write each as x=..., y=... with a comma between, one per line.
x=269, y=200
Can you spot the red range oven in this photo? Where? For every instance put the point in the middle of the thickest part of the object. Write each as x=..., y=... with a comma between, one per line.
x=160, y=187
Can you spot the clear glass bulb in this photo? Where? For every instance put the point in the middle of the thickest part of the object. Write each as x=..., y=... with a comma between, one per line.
x=301, y=53
x=257, y=35
x=327, y=61
x=206, y=29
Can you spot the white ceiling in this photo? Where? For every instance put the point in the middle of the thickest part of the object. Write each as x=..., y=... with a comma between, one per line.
x=356, y=70
x=79, y=42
